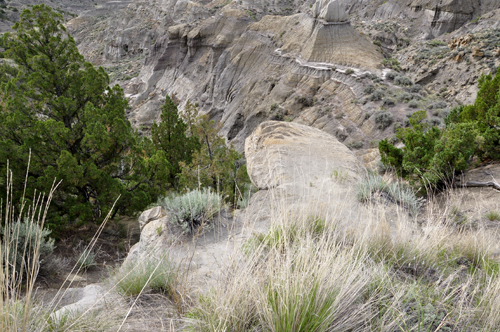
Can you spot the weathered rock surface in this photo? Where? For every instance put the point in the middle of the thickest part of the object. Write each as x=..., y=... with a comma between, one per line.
x=151, y=214
x=339, y=43
x=155, y=235
x=76, y=301
x=281, y=153
x=295, y=166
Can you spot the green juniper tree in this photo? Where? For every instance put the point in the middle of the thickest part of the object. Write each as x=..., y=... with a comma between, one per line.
x=215, y=165
x=170, y=136
x=432, y=156
x=62, y=109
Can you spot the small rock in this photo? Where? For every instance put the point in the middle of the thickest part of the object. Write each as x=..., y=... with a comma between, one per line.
x=477, y=52
x=150, y=215
x=460, y=41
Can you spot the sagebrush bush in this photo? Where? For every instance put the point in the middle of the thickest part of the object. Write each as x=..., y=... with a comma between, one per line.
x=402, y=80
x=402, y=194
x=384, y=119
x=355, y=145
x=391, y=63
x=389, y=102
x=391, y=75
x=437, y=105
x=192, y=209
x=377, y=95
x=443, y=114
x=405, y=97
x=413, y=104
x=434, y=122
x=369, y=89
x=415, y=88
x=27, y=242
x=86, y=259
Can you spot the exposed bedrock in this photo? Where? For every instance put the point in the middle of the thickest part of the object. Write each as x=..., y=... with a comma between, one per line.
x=243, y=72
x=244, y=63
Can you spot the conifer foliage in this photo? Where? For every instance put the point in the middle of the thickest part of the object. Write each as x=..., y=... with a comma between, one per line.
x=170, y=135
x=62, y=109
x=432, y=156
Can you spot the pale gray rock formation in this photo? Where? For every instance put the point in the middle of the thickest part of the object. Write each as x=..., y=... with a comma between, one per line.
x=151, y=214
x=334, y=40
x=76, y=301
x=334, y=12
x=230, y=65
x=156, y=235
x=318, y=7
x=280, y=153
x=296, y=168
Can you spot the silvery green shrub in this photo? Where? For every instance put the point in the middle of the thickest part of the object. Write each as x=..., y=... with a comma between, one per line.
x=26, y=241
x=192, y=209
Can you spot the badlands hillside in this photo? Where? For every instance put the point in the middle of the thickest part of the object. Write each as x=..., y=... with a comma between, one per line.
x=245, y=62
x=357, y=74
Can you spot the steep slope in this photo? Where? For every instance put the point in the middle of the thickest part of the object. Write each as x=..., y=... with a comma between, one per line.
x=243, y=66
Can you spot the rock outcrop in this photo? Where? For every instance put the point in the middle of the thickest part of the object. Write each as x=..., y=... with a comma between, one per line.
x=334, y=40
x=294, y=166
x=149, y=215
x=280, y=153
x=76, y=301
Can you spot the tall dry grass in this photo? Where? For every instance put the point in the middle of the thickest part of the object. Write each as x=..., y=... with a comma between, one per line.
x=377, y=270
x=19, y=310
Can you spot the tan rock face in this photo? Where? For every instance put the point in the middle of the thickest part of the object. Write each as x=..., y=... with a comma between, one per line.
x=334, y=40
x=460, y=41
x=341, y=44
x=279, y=153
x=477, y=52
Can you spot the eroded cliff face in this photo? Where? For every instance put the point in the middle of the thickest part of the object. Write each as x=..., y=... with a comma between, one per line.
x=243, y=64
x=242, y=72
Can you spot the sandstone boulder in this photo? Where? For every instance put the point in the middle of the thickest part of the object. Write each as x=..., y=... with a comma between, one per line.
x=154, y=234
x=76, y=301
x=334, y=12
x=280, y=152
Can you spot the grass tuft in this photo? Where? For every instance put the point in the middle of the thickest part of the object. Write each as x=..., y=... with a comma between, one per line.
x=397, y=192
x=156, y=274
x=493, y=216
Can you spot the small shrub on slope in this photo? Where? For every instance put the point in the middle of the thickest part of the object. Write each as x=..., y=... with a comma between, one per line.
x=86, y=260
x=26, y=241
x=383, y=119
x=399, y=193
x=193, y=209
